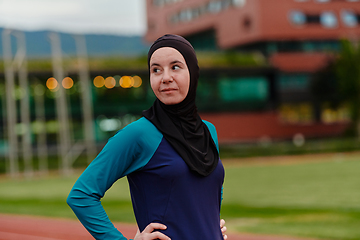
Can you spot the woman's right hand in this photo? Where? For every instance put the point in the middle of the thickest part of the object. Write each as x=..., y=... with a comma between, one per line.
x=150, y=234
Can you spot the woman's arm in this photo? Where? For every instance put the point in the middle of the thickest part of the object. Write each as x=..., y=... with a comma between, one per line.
x=126, y=152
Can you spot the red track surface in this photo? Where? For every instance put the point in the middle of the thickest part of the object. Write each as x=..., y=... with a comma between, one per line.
x=15, y=227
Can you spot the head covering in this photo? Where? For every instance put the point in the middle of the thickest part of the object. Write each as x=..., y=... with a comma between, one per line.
x=180, y=123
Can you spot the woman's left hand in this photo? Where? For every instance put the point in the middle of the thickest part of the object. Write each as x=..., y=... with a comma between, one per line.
x=223, y=228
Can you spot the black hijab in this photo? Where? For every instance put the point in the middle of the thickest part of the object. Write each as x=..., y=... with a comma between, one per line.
x=180, y=123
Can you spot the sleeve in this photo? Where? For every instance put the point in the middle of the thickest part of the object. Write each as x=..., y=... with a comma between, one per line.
x=124, y=153
x=213, y=133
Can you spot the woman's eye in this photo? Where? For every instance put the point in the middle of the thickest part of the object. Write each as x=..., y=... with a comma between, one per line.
x=176, y=67
x=155, y=70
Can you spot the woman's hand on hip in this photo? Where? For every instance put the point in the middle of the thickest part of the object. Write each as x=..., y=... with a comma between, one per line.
x=223, y=228
x=150, y=234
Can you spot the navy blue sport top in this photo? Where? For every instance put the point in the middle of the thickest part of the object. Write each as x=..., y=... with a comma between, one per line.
x=162, y=187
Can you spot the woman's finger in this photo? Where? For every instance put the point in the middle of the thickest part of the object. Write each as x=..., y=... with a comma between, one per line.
x=223, y=228
x=159, y=235
x=150, y=233
x=222, y=223
x=153, y=226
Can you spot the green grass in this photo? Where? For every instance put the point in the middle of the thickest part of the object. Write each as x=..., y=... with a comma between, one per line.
x=312, y=199
x=319, y=199
x=47, y=197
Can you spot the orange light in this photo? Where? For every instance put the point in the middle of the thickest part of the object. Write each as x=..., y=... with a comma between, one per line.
x=52, y=83
x=126, y=82
x=110, y=82
x=67, y=83
x=137, y=81
x=99, y=81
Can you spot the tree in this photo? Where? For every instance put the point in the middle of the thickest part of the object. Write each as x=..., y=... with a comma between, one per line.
x=339, y=82
x=324, y=87
x=347, y=69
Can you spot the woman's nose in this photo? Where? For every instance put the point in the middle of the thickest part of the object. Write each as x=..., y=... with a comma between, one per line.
x=167, y=77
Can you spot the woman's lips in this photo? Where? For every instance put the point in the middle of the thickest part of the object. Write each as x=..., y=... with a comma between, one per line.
x=168, y=90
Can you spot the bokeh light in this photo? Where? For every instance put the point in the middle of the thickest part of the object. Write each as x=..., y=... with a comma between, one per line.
x=110, y=82
x=52, y=84
x=137, y=81
x=19, y=93
x=126, y=82
x=52, y=126
x=39, y=90
x=21, y=128
x=67, y=83
x=99, y=81
x=38, y=127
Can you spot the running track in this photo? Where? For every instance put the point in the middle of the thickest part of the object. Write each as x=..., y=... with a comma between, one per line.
x=15, y=227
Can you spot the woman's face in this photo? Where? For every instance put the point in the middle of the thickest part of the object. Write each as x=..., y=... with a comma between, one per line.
x=169, y=75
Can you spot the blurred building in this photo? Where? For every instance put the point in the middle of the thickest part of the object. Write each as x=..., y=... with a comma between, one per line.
x=296, y=37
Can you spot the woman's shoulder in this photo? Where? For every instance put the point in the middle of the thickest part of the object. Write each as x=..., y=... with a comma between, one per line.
x=139, y=131
x=210, y=126
x=212, y=131
x=142, y=125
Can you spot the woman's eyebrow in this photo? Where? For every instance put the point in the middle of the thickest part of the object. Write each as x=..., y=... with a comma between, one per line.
x=173, y=62
x=176, y=61
x=154, y=64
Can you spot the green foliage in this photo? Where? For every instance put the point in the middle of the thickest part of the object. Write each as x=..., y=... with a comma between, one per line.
x=118, y=62
x=325, y=86
x=206, y=59
x=229, y=59
x=339, y=81
x=348, y=72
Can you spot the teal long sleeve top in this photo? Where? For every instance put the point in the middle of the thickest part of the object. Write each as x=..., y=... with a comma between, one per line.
x=162, y=187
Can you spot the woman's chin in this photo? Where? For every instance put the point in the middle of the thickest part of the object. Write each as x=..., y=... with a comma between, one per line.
x=171, y=101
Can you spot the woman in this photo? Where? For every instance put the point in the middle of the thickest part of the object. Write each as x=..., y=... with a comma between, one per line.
x=170, y=157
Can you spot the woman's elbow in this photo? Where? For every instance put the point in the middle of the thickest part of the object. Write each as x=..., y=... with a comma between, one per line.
x=70, y=200
x=77, y=198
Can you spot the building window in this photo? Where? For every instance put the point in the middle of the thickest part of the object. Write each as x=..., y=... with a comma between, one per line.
x=325, y=1
x=203, y=41
x=185, y=15
x=349, y=18
x=158, y=3
x=243, y=89
x=161, y=3
x=328, y=20
x=212, y=7
x=238, y=3
x=297, y=18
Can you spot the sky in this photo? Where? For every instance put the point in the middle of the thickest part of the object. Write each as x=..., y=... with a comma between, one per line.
x=119, y=17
